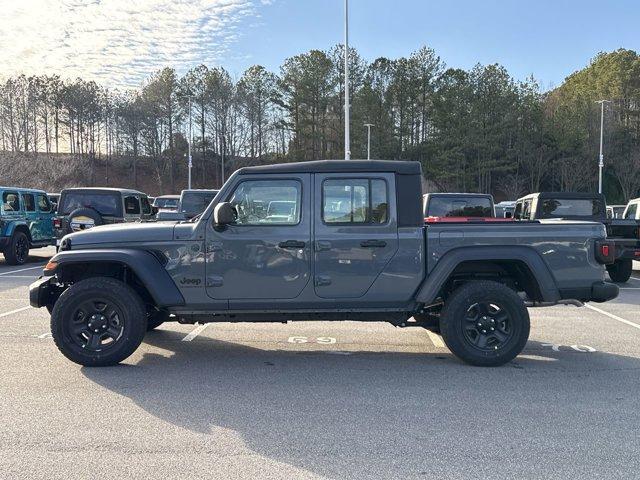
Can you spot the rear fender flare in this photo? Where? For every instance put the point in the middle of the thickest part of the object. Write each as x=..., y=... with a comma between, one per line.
x=437, y=278
x=144, y=264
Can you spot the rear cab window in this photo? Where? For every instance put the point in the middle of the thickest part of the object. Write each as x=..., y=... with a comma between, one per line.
x=570, y=207
x=108, y=204
x=454, y=206
x=44, y=205
x=630, y=213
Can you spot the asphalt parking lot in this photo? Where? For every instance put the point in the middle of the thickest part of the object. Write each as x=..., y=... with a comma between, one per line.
x=322, y=400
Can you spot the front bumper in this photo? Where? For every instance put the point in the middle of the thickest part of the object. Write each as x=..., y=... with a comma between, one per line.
x=603, y=292
x=40, y=292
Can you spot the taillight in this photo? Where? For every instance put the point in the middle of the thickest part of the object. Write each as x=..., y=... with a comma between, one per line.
x=605, y=252
x=57, y=223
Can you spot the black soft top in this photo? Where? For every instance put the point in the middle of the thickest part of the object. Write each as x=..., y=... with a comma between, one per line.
x=338, y=166
x=565, y=195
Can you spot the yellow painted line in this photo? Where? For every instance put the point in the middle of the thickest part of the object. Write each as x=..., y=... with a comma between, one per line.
x=611, y=315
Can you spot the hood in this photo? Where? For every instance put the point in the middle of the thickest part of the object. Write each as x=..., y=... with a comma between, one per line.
x=123, y=233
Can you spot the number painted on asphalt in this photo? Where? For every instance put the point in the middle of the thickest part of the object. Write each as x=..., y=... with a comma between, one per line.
x=578, y=348
x=321, y=340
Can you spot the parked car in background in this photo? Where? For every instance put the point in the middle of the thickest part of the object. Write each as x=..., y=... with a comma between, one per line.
x=167, y=202
x=458, y=207
x=341, y=241
x=26, y=222
x=84, y=208
x=505, y=209
x=588, y=207
x=615, y=211
x=632, y=210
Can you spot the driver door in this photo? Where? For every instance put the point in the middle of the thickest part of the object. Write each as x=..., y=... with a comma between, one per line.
x=266, y=252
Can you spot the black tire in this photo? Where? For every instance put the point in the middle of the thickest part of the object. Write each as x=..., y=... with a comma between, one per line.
x=17, y=252
x=156, y=319
x=96, y=219
x=79, y=311
x=620, y=271
x=488, y=307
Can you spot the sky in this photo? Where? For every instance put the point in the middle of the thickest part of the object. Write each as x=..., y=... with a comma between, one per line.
x=121, y=42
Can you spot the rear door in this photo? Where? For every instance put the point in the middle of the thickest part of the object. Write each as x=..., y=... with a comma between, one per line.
x=356, y=232
x=45, y=216
x=31, y=216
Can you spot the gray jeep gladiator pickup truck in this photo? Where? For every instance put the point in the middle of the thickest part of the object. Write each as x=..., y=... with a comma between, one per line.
x=321, y=240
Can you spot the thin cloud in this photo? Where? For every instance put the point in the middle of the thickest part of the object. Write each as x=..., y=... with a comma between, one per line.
x=117, y=42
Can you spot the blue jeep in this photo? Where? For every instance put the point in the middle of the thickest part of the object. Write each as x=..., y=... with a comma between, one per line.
x=26, y=221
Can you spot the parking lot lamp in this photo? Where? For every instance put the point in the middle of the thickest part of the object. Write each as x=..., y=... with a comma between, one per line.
x=347, y=139
x=601, y=158
x=369, y=125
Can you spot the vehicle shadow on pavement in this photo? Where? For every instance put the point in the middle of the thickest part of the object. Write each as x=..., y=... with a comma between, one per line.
x=370, y=414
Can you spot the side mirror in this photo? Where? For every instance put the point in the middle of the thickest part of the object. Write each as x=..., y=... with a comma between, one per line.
x=224, y=214
x=508, y=215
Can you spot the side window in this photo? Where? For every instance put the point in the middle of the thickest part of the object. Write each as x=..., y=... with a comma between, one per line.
x=267, y=202
x=131, y=205
x=355, y=200
x=146, y=206
x=10, y=202
x=29, y=202
x=526, y=211
x=631, y=211
x=43, y=203
x=517, y=211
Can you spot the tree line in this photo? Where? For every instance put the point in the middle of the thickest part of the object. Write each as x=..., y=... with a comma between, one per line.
x=473, y=130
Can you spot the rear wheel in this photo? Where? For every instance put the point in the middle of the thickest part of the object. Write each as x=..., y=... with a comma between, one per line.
x=620, y=271
x=485, y=323
x=17, y=252
x=98, y=322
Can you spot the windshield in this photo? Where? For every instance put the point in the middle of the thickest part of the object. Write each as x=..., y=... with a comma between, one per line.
x=571, y=207
x=107, y=204
x=459, y=207
x=193, y=203
x=166, y=202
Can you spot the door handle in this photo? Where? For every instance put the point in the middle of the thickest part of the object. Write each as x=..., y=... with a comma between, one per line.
x=373, y=244
x=291, y=244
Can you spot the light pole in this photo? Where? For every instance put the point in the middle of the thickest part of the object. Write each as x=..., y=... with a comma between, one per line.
x=369, y=125
x=190, y=141
x=347, y=139
x=601, y=158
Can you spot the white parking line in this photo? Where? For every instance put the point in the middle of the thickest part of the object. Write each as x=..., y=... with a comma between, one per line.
x=435, y=339
x=17, y=310
x=17, y=276
x=195, y=332
x=21, y=270
x=611, y=315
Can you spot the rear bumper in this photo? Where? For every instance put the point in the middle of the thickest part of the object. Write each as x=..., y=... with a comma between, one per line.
x=603, y=291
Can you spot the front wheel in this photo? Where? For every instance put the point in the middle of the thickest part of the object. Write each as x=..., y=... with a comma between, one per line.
x=98, y=322
x=620, y=271
x=485, y=323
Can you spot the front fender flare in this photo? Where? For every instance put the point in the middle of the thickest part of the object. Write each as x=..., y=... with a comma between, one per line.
x=436, y=279
x=144, y=264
